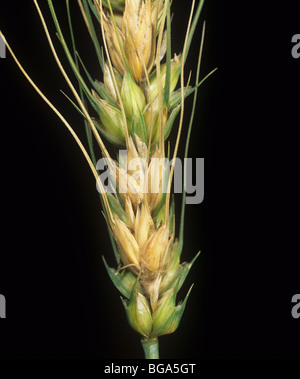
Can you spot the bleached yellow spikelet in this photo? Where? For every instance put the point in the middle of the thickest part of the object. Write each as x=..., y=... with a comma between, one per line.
x=144, y=225
x=156, y=250
x=135, y=39
x=128, y=246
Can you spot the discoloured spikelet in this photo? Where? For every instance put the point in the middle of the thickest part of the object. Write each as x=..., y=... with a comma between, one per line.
x=134, y=41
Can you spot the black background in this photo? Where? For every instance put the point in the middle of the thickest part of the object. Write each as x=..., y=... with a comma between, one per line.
x=60, y=301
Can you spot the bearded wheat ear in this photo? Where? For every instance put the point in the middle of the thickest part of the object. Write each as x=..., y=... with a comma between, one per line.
x=136, y=107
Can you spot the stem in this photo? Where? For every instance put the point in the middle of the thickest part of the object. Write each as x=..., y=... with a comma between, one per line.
x=150, y=347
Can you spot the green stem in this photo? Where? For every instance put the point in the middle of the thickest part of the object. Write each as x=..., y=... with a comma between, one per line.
x=150, y=347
